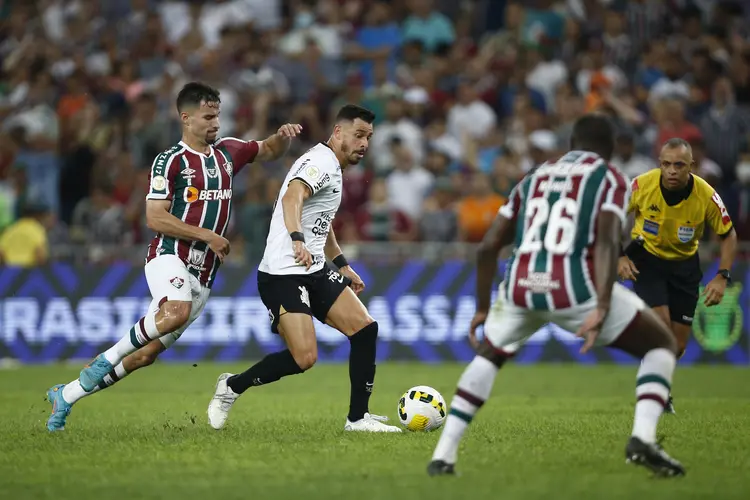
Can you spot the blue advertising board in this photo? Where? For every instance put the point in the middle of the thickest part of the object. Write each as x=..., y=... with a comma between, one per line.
x=64, y=312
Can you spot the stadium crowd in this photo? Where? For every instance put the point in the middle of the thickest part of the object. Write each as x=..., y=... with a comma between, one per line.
x=469, y=96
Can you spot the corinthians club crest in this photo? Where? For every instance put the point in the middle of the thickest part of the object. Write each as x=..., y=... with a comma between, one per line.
x=717, y=329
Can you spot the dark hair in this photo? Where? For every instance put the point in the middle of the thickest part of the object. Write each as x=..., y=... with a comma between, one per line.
x=193, y=93
x=351, y=112
x=677, y=142
x=594, y=133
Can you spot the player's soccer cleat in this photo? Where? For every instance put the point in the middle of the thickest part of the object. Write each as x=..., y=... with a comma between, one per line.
x=440, y=468
x=371, y=423
x=221, y=403
x=60, y=409
x=379, y=418
x=653, y=457
x=93, y=373
x=670, y=406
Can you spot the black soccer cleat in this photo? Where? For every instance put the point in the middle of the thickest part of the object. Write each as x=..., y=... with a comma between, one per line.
x=653, y=457
x=441, y=468
x=670, y=406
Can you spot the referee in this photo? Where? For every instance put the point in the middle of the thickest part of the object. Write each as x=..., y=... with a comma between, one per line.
x=671, y=207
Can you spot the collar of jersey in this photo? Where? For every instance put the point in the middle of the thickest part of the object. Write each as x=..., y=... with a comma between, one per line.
x=198, y=152
x=675, y=197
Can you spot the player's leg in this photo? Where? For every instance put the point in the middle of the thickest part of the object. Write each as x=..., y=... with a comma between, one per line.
x=349, y=315
x=64, y=396
x=291, y=317
x=639, y=331
x=169, y=282
x=506, y=330
x=653, y=287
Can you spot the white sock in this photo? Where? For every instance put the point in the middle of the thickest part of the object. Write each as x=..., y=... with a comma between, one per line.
x=73, y=391
x=474, y=388
x=652, y=392
x=141, y=334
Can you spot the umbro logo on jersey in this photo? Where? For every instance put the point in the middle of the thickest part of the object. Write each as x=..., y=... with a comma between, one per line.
x=654, y=208
x=188, y=173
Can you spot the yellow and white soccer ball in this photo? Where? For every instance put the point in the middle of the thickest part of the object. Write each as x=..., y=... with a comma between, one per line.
x=422, y=408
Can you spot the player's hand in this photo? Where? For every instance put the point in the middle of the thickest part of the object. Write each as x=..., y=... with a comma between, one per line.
x=714, y=291
x=290, y=130
x=591, y=327
x=357, y=284
x=626, y=269
x=302, y=255
x=478, y=320
x=219, y=245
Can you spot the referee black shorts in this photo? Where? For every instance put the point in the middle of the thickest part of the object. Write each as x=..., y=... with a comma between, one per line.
x=671, y=283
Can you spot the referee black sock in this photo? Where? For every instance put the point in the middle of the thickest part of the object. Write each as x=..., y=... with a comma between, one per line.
x=362, y=370
x=267, y=370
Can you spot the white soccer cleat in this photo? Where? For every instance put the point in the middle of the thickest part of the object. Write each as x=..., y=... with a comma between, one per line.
x=371, y=423
x=221, y=403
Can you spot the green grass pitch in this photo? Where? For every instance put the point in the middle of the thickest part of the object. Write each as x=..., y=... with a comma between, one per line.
x=549, y=432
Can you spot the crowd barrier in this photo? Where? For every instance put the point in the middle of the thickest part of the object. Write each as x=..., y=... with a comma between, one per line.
x=65, y=312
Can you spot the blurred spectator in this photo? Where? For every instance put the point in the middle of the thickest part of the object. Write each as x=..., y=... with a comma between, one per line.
x=439, y=222
x=380, y=219
x=478, y=209
x=24, y=243
x=408, y=183
x=737, y=199
x=705, y=167
x=428, y=26
x=480, y=89
x=670, y=118
x=628, y=160
x=395, y=126
x=725, y=129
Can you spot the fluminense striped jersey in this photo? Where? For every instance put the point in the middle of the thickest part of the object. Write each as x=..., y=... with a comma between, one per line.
x=200, y=189
x=556, y=208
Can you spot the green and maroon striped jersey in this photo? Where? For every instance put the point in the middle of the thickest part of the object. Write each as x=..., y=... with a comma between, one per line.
x=200, y=189
x=556, y=208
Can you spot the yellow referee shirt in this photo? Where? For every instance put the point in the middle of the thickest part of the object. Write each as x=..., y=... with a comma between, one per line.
x=673, y=232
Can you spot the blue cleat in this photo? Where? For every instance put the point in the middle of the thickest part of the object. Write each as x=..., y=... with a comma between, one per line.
x=60, y=409
x=94, y=373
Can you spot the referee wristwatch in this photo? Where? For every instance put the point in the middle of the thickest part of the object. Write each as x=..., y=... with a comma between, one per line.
x=724, y=273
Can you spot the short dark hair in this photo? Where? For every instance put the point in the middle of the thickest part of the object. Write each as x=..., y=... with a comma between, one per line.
x=594, y=133
x=351, y=112
x=677, y=142
x=193, y=93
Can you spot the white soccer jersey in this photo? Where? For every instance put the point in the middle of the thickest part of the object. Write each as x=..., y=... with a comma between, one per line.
x=320, y=170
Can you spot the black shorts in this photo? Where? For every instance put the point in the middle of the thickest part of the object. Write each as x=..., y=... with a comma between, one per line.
x=672, y=283
x=312, y=294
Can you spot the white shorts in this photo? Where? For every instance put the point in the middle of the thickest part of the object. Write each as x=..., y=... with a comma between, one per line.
x=168, y=279
x=508, y=326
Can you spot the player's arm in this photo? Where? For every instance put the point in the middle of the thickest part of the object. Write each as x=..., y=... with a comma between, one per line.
x=291, y=204
x=498, y=236
x=606, y=254
x=160, y=220
x=334, y=254
x=276, y=145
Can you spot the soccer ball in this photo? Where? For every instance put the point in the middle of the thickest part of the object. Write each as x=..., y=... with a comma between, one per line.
x=422, y=408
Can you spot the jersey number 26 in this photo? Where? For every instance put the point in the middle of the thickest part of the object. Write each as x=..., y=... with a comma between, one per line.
x=558, y=222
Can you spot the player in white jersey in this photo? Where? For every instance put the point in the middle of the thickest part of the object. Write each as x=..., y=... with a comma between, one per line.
x=295, y=282
x=188, y=205
x=565, y=220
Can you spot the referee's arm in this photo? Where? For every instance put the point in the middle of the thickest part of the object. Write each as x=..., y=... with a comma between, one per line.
x=721, y=223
